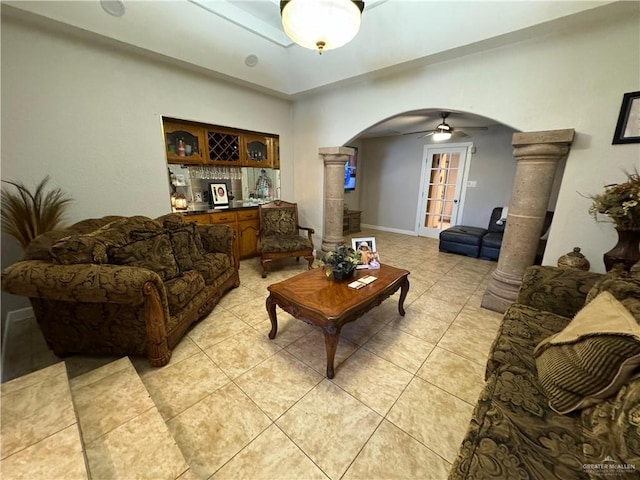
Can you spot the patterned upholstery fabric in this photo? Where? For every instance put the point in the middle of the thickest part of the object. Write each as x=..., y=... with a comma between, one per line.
x=212, y=266
x=92, y=247
x=625, y=287
x=283, y=243
x=112, y=309
x=513, y=433
x=187, y=246
x=556, y=290
x=40, y=247
x=612, y=429
x=154, y=253
x=279, y=222
x=182, y=289
x=216, y=238
x=522, y=328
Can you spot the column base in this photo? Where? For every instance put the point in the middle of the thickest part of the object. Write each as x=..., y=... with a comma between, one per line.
x=501, y=292
x=330, y=244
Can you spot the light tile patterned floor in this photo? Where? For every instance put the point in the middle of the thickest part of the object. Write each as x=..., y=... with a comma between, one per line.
x=242, y=406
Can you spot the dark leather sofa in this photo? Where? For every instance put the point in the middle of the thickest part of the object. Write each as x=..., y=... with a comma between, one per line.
x=483, y=242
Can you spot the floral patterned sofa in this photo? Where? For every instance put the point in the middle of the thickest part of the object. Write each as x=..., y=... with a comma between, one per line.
x=124, y=285
x=516, y=431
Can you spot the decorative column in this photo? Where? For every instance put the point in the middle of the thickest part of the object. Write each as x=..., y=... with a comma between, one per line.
x=538, y=154
x=334, y=159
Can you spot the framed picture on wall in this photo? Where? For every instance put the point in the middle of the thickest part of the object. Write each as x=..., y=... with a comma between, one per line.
x=628, y=126
x=219, y=195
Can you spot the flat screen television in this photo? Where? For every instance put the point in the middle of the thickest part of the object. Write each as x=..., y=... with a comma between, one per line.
x=350, y=171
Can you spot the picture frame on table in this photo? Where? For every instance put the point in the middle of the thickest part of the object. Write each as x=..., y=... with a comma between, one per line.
x=369, y=257
x=219, y=195
x=628, y=126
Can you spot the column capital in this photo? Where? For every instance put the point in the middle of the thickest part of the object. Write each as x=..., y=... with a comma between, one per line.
x=336, y=151
x=521, y=139
x=336, y=155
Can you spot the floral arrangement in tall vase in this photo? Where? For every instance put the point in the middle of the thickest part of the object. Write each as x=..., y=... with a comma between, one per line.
x=621, y=204
x=27, y=214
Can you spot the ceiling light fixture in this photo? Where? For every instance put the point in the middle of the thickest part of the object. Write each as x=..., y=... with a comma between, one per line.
x=443, y=132
x=321, y=24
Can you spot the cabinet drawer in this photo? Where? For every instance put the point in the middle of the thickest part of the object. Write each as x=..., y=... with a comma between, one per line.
x=247, y=214
x=226, y=217
x=199, y=219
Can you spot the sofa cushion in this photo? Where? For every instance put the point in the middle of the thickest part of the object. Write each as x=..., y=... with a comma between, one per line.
x=186, y=243
x=464, y=235
x=624, y=286
x=40, y=247
x=612, y=430
x=79, y=249
x=92, y=246
x=154, y=253
x=591, y=358
x=212, y=266
x=522, y=328
x=514, y=435
x=492, y=240
x=182, y=289
x=283, y=243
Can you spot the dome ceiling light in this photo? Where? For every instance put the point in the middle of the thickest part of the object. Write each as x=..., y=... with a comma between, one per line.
x=321, y=24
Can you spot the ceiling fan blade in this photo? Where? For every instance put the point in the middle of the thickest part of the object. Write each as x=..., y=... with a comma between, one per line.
x=428, y=132
x=471, y=128
x=459, y=133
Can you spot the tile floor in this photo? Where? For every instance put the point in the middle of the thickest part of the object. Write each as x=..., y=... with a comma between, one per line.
x=242, y=406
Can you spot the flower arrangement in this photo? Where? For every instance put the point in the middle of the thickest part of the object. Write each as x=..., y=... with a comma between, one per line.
x=620, y=202
x=342, y=262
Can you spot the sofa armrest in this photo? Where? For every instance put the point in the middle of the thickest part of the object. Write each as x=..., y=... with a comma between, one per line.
x=556, y=290
x=91, y=283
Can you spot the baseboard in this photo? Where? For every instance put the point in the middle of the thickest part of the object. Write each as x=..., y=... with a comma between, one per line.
x=14, y=317
x=387, y=229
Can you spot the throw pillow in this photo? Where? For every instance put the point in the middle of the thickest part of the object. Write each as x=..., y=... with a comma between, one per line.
x=77, y=249
x=153, y=252
x=591, y=358
x=186, y=244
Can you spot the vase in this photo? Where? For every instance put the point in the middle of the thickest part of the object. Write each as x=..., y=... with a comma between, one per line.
x=626, y=251
x=574, y=260
x=340, y=275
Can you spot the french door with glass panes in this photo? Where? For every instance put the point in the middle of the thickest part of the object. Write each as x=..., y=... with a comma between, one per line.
x=441, y=188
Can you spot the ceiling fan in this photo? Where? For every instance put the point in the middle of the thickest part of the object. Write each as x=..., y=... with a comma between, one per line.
x=444, y=131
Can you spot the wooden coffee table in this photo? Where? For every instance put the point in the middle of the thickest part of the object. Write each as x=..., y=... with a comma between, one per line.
x=321, y=301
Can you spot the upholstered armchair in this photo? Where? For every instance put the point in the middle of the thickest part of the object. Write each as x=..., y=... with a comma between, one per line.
x=279, y=235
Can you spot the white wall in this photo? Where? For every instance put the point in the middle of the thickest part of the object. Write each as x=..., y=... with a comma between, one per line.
x=493, y=167
x=572, y=79
x=90, y=117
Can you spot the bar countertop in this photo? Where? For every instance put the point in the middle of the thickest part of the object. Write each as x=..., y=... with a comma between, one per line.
x=233, y=205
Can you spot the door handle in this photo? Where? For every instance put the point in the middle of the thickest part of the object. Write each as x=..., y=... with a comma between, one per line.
x=455, y=201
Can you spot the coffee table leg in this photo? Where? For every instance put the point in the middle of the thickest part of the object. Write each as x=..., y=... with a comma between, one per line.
x=404, y=289
x=331, y=337
x=271, y=309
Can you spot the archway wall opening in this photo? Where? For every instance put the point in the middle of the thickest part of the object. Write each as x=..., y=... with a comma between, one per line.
x=558, y=81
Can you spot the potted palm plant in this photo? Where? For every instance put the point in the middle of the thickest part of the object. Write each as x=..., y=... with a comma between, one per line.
x=26, y=214
x=341, y=263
